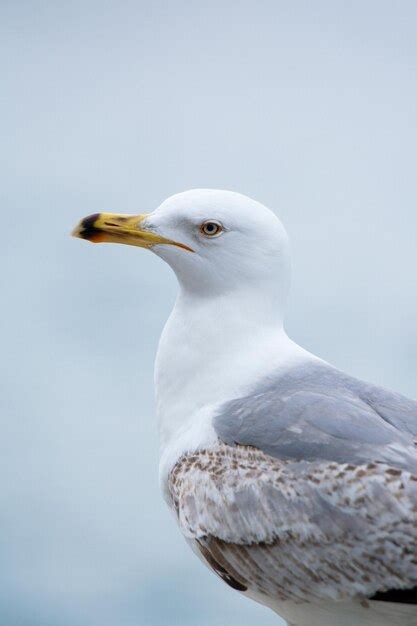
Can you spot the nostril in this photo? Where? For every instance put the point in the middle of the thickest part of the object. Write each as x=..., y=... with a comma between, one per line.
x=111, y=224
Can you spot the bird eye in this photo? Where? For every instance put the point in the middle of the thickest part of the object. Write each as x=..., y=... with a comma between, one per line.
x=211, y=228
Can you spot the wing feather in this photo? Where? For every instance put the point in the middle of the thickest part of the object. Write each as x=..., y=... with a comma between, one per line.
x=316, y=412
x=299, y=530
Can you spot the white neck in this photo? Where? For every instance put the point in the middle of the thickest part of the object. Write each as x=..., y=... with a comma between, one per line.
x=212, y=350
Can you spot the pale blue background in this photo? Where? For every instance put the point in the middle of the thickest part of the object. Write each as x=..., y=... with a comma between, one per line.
x=310, y=107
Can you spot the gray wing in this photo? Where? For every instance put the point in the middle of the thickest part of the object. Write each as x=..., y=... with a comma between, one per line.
x=316, y=412
x=312, y=491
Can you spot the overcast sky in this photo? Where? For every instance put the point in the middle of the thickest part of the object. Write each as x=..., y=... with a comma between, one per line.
x=309, y=107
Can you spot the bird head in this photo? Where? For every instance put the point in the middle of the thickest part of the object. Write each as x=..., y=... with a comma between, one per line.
x=217, y=242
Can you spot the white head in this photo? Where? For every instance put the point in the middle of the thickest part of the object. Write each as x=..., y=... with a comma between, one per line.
x=237, y=242
x=217, y=243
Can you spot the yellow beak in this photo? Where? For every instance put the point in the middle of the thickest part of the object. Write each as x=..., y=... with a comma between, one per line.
x=117, y=228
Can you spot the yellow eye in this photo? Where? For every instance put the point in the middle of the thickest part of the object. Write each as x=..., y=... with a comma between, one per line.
x=211, y=228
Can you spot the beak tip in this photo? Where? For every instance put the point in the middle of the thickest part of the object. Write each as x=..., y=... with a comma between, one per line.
x=86, y=229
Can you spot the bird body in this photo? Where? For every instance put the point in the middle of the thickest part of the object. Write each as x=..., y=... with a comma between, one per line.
x=294, y=482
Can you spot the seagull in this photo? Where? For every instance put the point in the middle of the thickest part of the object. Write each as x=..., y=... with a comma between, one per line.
x=293, y=481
